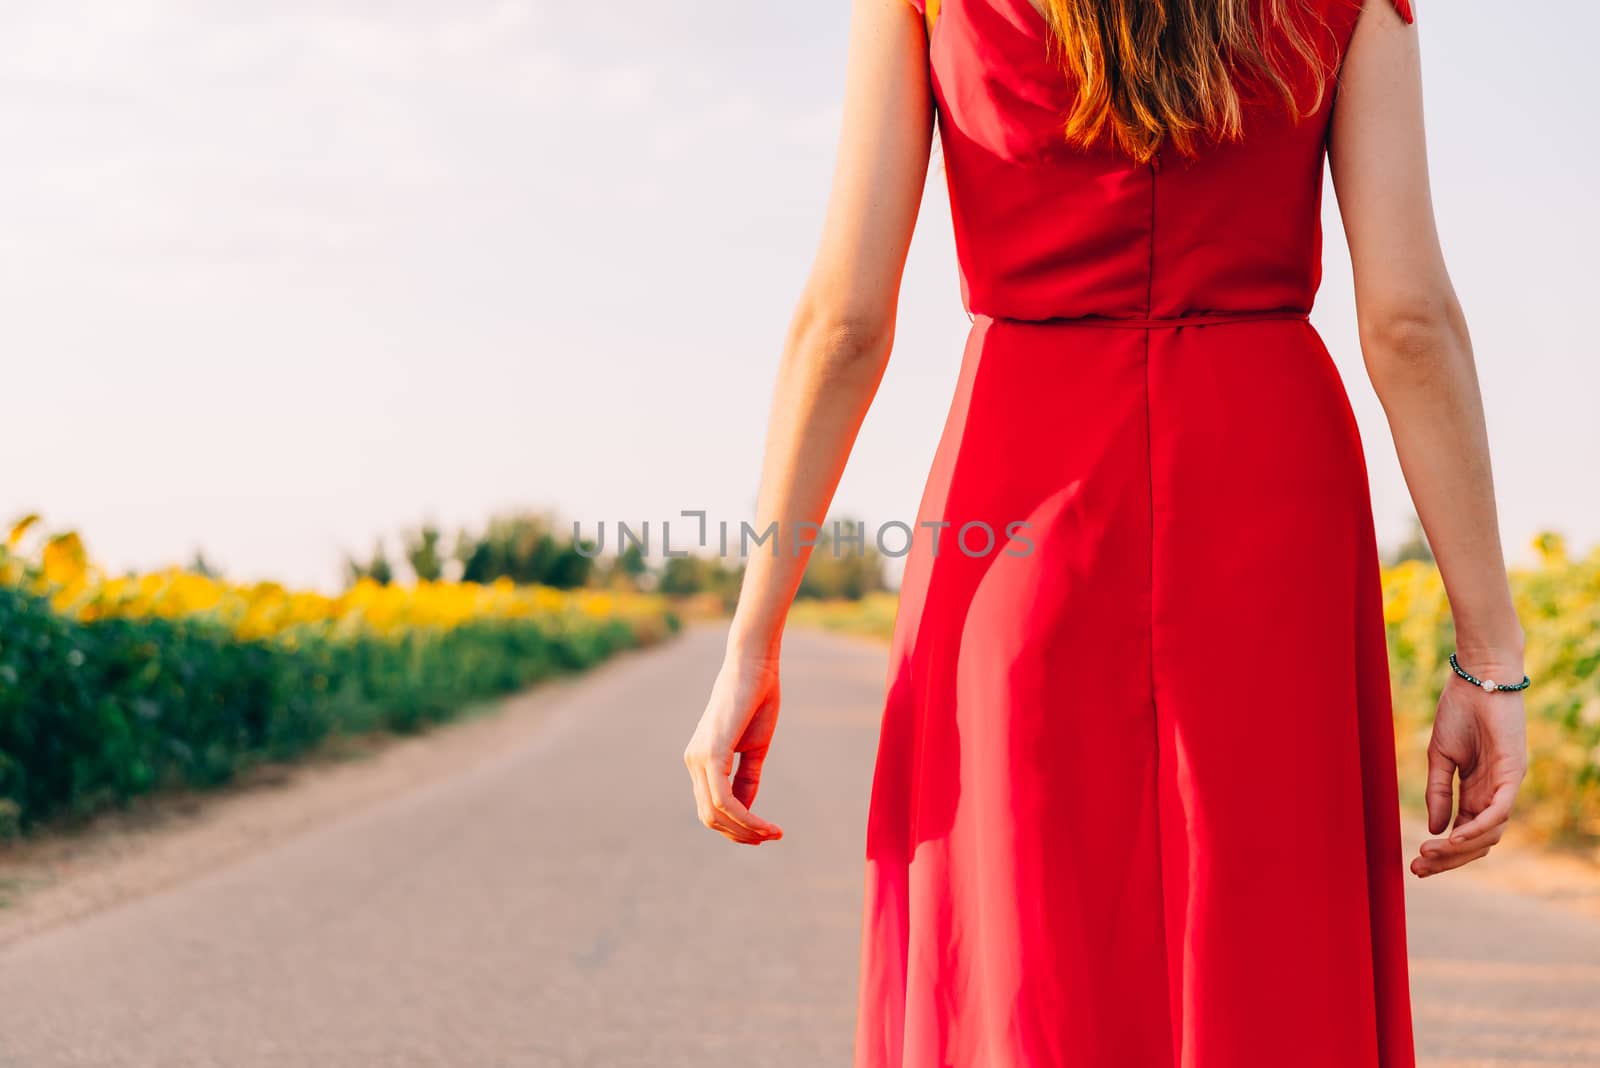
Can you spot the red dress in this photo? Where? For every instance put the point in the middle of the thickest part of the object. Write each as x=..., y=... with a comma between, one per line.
x=1134, y=802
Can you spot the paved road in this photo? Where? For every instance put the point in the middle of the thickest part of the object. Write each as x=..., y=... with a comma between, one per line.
x=559, y=906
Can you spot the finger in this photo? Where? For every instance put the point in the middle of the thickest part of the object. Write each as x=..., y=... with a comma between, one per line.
x=733, y=809
x=717, y=819
x=705, y=811
x=1489, y=835
x=702, y=801
x=1497, y=812
x=747, y=780
x=1451, y=863
x=1447, y=847
x=1441, y=773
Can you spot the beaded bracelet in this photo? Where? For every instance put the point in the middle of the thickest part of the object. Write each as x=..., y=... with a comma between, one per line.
x=1487, y=684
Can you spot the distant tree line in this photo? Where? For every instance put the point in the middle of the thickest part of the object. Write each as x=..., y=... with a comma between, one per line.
x=848, y=570
x=525, y=548
x=531, y=548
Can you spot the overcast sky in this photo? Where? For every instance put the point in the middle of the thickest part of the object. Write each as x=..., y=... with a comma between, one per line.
x=279, y=278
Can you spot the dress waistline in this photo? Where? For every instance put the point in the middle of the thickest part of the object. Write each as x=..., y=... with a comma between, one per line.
x=1196, y=319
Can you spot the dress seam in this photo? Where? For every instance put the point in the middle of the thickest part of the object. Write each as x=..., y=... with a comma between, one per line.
x=1150, y=261
x=1155, y=800
x=1173, y=1032
x=1155, y=722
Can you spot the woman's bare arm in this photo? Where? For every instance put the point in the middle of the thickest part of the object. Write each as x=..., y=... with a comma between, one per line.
x=837, y=346
x=1419, y=357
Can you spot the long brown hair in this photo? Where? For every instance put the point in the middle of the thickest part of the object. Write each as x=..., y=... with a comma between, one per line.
x=1156, y=70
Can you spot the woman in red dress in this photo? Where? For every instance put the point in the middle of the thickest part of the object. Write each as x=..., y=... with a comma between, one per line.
x=1135, y=797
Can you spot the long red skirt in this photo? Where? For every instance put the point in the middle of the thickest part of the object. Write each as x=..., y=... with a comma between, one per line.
x=1134, y=802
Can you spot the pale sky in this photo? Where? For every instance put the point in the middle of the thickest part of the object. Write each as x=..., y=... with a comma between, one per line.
x=279, y=278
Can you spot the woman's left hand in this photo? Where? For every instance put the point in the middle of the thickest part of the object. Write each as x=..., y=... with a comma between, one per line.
x=1481, y=739
x=739, y=719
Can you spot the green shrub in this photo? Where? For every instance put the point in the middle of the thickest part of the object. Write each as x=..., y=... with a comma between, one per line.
x=94, y=713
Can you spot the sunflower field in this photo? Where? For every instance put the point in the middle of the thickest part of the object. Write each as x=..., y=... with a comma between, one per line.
x=111, y=686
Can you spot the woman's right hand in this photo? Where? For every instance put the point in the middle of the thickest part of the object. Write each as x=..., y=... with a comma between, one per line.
x=738, y=724
x=1483, y=738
